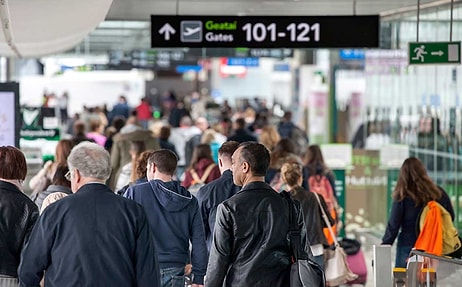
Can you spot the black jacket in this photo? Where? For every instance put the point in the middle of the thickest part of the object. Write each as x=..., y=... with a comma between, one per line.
x=250, y=243
x=242, y=135
x=210, y=196
x=18, y=215
x=91, y=238
x=314, y=223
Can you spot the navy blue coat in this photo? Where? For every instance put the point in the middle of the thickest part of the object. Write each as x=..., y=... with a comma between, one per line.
x=403, y=216
x=175, y=220
x=210, y=196
x=91, y=238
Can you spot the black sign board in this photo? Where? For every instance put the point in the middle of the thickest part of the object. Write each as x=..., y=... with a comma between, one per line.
x=265, y=31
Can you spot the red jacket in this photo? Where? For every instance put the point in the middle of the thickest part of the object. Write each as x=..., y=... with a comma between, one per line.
x=200, y=168
x=144, y=111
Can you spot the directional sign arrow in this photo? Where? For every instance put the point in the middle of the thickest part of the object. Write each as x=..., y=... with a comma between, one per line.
x=438, y=53
x=167, y=29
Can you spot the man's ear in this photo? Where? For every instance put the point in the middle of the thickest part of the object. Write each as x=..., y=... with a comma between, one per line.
x=220, y=162
x=77, y=175
x=245, y=167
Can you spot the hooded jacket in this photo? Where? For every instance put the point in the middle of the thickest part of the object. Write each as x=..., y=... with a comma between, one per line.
x=175, y=219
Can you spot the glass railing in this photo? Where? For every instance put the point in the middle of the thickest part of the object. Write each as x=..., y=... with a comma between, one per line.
x=427, y=270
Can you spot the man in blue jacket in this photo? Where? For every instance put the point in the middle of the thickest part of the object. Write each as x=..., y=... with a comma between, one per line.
x=175, y=220
x=217, y=191
x=93, y=237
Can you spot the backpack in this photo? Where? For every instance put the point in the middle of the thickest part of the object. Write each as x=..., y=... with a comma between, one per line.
x=435, y=224
x=320, y=184
x=199, y=182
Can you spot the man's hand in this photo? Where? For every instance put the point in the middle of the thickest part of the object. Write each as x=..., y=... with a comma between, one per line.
x=188, y=269
x=197, y=285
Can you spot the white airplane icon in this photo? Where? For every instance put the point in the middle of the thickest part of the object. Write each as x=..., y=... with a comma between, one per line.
x=189, y=31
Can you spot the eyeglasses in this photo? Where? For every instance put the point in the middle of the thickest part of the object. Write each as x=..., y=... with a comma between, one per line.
x=68, y=175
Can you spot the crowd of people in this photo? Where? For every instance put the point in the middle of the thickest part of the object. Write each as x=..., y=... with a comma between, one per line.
x=118, y=212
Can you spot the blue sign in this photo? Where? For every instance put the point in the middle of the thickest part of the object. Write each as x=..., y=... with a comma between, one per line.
x=183, y=69
x=247, y=62
x=352, y=54
x=281, y=67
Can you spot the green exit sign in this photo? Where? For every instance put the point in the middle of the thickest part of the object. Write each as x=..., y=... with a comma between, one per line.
x=421, y=53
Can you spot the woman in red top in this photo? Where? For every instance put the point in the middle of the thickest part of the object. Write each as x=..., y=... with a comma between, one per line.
x=201, y=160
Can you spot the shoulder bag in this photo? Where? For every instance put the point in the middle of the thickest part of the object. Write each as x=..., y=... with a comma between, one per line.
x=304, y=272
x=337, y=270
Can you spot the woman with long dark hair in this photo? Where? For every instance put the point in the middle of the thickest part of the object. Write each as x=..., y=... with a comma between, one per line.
x=414, y=189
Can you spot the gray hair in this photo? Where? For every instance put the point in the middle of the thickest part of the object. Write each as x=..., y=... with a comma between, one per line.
x=91, y=160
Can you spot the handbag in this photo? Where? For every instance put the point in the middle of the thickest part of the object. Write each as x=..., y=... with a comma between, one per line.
x=337, y=269
x=304, y=272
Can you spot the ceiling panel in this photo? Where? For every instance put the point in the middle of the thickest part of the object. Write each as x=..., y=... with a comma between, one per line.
x=142, y=9
x=128, y=28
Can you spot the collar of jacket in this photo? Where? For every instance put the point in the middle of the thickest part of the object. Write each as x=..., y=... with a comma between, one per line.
x=9, y=186
x=256, y=185
x=94, y=186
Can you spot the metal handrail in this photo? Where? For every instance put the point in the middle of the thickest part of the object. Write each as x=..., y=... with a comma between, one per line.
x=447, y=259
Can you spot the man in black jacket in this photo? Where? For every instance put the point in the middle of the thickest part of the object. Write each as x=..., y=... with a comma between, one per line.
x=250, y=245
x=93, y=237
x=217, y=191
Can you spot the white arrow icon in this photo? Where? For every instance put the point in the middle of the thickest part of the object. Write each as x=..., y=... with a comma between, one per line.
x=438, y=53
x=167, y=29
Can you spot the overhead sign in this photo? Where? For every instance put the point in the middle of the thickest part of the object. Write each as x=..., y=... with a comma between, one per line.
x=247, y=62
x=434, y=53
x=265, y=31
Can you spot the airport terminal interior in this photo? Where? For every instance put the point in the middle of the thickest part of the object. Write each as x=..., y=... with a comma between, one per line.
x=372, y=82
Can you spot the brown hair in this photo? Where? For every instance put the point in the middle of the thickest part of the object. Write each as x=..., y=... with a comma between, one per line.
x=313, y=159
x=291, y=173
x=165, y=161
x=164, y=132
x=413, y=182
x=200, y=151
x=13, y=163
x=59, y=177
x=141, y=163
x=63, y=149
x=136, y=147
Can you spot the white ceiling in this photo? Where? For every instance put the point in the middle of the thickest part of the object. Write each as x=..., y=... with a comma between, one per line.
x=142, y=9
x=43, y=27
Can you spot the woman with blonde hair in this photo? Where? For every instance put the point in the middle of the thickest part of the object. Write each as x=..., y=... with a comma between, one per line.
x=292, y=176
x=269, y=137
x=413, y=190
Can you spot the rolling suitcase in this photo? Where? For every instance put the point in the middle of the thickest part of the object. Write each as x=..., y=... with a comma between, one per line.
x=357, y=264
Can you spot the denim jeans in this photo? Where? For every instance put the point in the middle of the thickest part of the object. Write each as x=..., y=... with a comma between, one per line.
x=402, y=253
x=172, y=277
